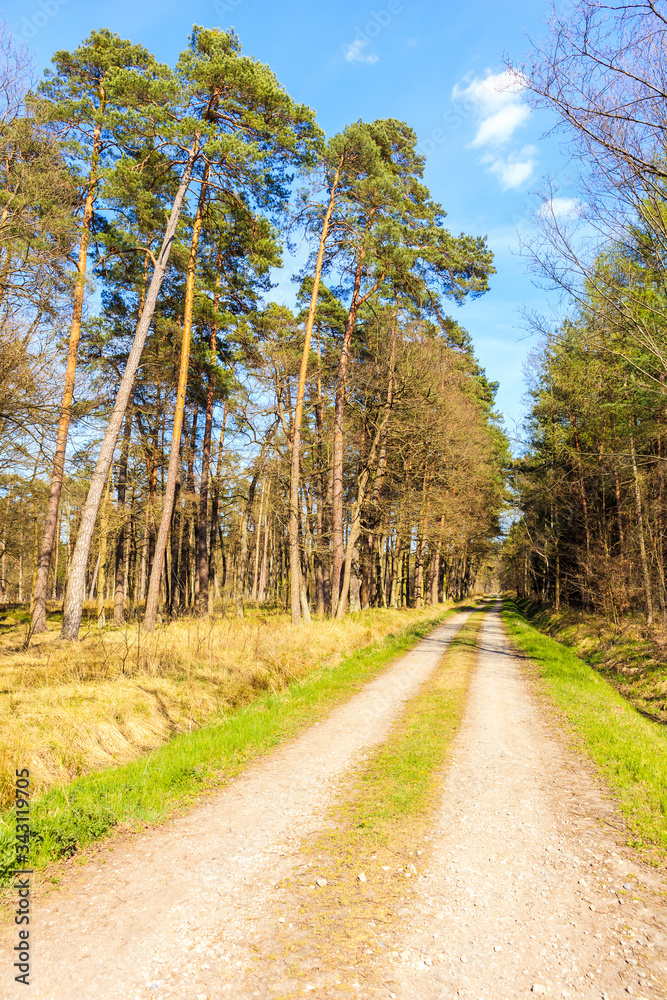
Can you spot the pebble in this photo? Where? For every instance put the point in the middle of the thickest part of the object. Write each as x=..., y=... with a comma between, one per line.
x=321, y=881
x=538, y=988
x=361, y=877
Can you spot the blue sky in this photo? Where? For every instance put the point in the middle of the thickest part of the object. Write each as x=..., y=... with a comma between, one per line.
x=438, y=66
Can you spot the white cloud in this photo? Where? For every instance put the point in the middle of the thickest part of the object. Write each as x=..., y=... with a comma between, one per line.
x=499, y=127
x=514, y=170
x=354, y=52
x=495, y=100
x=496, y=104
x=559, y=208
x=490, y=93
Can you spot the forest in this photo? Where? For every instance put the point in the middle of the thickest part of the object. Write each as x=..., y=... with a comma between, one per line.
x=590, y=487
x=176, y=442
x=309, y=667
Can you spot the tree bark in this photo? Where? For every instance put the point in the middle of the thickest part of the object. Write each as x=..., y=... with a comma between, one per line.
x=355, y=526
x=74, y=600
x=202, y=524
x=121, y=486
x=339, y=446
x=152, y=598
x=187, y=518
x=102, y=578
x=215, y=505
x=293, y=526
x=640, y=532
x=38, y=623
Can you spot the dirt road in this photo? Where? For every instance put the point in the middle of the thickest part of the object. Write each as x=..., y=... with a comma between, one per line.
x=527, y=890
x=175, y=912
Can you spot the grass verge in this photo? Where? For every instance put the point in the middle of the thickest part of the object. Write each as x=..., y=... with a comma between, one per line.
x=68, y=709
x=149, y=789
x=629, y=750
x=378, y=840
x=630, y=654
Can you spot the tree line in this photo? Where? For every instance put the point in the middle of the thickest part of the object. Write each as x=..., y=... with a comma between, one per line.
x=591, y=485
x=173, y=439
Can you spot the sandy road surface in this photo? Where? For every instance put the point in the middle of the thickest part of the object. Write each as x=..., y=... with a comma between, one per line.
x=174, y=913
x=528, y=891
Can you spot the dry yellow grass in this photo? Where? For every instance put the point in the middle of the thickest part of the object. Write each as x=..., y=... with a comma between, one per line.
x=70, y=708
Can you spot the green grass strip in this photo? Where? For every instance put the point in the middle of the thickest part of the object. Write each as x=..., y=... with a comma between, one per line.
x=151, y=788
x=400, y=778
x=629, y=750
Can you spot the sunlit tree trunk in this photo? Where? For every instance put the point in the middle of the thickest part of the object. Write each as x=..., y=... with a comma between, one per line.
x=202, y=524
x=121, y=540
x=215, y=506
x=293, y=526
x=101, y=576
x=42, y=577
x=640, y=533
x=184, y=576
x=338, y=544
x=263, y=573
x=74, y=601
x=150, y=615
x=421, y=540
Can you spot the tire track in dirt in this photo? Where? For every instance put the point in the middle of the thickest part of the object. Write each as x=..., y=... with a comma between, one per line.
x=529, y=889
x=174, y=912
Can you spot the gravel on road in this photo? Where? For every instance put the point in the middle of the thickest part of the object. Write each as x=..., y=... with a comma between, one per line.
x=174, y=912
x=530, y=890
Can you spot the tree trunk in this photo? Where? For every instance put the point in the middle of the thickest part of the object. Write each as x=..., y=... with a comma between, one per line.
x=38, y=623
x=338, y=447
x=74, y=600
x=102, y=578
x=421, y=541
x=355, y=525
x=202, y=524
x=121, y=486
x=150, y=615
x=640, y=532
x=258, y=538
x=56, y=561
x=338, y=435
x=293, y=525
x=215, y=505
x=322, y=568
x=263, y=573
x=187, y=517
